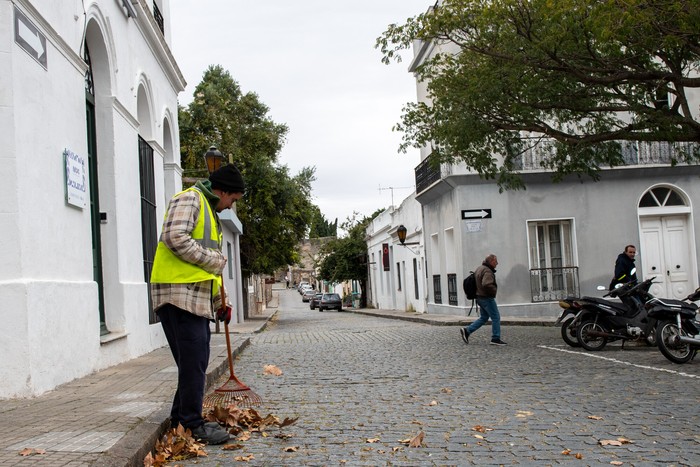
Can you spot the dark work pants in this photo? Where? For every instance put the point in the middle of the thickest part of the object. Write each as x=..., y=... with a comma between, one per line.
x=188, y=336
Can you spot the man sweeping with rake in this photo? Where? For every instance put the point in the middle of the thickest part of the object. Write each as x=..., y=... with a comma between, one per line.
x=185, y=289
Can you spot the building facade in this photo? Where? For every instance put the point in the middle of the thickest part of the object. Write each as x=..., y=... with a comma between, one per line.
x=88, y=107
x=557, y=239
x=397, y=272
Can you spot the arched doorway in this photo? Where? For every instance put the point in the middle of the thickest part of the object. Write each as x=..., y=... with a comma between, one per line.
x=667, y=241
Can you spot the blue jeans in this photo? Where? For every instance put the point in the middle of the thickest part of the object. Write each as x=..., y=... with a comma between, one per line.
x=488, y=309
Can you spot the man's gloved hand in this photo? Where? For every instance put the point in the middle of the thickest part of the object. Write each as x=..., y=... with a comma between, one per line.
x=224, y=314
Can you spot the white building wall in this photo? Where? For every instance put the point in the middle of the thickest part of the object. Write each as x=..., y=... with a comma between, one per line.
x=387, y=292
x=50, y=300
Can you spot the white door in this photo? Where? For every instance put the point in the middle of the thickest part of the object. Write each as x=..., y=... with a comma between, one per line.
x=666, y=255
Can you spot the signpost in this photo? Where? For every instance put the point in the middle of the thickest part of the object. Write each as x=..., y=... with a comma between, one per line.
x=476, y=214
x=30, y=38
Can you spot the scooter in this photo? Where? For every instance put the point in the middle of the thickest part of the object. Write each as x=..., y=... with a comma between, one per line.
x=677, y=331
x=601, y=321
x=570, y=308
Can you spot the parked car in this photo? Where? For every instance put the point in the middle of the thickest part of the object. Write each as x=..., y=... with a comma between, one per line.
x=304, y=287
x=307, y=295
x=315, y=300
x=330, y=301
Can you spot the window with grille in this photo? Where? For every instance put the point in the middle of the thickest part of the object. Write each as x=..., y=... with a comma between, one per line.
x=437, y=289
x=553, y=272
x=452, y=289
x=149, y=235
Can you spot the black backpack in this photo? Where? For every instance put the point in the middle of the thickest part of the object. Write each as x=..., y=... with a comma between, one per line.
x=469, y=286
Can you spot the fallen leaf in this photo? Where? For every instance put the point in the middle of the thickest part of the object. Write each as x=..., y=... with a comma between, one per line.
x=417, y=441
x=481, y=429
x=578, y=455
x=232, y=447
x=523, y=413
x=609, y=442
x=446, y=390
x=245, y=436
x=566, y=452
x=40, y=451
x=244, y=458
x=372, y=440
x=26, y=452
x=478, y=437
x=272, y=370
x=624, y=441
x=291, y=449
x=433, y=403
x=616, y=463
x=595, y=417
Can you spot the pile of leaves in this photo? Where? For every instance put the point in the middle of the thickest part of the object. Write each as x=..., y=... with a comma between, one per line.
x=179, y=444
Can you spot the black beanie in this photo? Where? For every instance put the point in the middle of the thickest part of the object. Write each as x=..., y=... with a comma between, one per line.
x=228, y=179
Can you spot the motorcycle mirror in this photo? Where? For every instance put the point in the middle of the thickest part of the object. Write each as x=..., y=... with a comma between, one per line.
x=617, y=286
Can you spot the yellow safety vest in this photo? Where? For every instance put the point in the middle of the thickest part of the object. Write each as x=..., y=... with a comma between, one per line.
x=170, y=269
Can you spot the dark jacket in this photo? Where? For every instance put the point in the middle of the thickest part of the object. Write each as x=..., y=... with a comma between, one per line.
x=623, y=271
x=486, y=286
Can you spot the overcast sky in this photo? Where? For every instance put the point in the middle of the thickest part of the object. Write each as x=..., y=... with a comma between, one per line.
x=313, y=63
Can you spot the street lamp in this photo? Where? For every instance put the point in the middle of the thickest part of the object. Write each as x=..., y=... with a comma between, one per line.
x=213, y=158
x=401, y=232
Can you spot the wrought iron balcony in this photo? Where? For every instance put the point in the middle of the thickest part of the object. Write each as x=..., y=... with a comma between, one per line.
x=427, y=173
x=551, y=284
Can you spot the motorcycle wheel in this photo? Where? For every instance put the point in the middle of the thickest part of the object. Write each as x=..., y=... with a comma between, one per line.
x=569, y=334
x=677, y=353
x=590, y=342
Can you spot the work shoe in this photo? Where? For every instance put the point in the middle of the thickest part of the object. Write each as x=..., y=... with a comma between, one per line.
x=497, y=342
x=209, y=434
x=465, y=335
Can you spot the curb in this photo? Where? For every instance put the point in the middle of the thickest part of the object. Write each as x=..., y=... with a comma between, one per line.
x=137, y=443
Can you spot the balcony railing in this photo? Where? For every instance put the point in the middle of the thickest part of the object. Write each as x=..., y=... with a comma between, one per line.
x=551, y=284
x=426, y=174
x=158, y=16
x=633, y=153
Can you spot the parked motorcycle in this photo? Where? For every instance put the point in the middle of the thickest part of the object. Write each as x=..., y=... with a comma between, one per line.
x=570, y=308
x=601, y=321
x=677, y=331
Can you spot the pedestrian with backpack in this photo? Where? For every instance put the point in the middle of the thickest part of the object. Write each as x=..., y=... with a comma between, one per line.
x=486, y=289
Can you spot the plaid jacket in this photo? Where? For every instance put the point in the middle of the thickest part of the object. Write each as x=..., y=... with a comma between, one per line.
x=180, y=221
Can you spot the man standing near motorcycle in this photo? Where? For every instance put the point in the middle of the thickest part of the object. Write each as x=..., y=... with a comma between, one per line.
x=486, y=289
x=624, y=265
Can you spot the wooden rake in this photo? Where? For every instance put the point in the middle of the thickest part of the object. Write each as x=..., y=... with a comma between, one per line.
x=233, y=392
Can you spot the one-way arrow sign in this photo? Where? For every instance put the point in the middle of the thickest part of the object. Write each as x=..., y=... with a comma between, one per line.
x=477, y=214
x=29, y=38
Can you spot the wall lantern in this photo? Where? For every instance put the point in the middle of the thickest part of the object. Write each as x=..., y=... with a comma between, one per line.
x=401, y=232
x=213, y=158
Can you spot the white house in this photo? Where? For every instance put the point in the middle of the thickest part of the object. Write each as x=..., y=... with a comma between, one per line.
x=554, y=240
x=396, y=270
x=90, y=158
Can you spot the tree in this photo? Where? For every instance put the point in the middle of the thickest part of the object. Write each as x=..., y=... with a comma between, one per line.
x=276, y=208
x=346, y=258
x=321, y=227
x=578, y=77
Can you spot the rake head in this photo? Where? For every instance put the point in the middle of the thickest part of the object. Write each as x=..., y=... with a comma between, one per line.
x=233, y=392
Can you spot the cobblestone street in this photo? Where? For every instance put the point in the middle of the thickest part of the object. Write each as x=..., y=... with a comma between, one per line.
x=360, y=384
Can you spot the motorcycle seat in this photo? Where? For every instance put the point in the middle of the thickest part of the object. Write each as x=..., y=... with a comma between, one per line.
x=618, y=307
x=673, y=303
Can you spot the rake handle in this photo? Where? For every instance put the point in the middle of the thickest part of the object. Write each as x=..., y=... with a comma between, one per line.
x=228, y=339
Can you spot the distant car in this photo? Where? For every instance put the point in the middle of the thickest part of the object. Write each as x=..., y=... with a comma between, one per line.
x=330, y=301
x=315, y=300
x=304, y=287
x=307, y=295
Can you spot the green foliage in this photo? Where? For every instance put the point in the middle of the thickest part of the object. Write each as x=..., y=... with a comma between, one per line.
x=276, y=208
x=345, y=258
x=321, y=227
x=578, y=75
